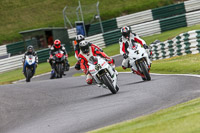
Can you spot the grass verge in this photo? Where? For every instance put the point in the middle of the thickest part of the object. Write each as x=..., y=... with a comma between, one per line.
x=182, y=118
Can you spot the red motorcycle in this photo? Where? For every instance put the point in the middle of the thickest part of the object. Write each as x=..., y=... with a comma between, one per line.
x=59, y=63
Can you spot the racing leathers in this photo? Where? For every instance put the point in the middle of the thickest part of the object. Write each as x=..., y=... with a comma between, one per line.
x=84, y=58
x=23, y=61
x=129, y=42
x=77, y=51
x=53, y=49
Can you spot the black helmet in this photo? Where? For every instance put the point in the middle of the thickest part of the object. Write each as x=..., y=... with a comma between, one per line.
x=84, y=46
x=79, y=38
x=30, y=49
x=125, y=31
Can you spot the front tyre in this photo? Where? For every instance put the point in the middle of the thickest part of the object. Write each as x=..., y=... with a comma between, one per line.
x=28, y=75
x=145, y=71
x=59, y=70
x=107, y=81
x=144, y=79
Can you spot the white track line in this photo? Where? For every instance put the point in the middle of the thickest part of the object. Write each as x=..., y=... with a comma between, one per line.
x=187, y=75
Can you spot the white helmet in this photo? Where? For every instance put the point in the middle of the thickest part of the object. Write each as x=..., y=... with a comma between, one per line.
x=84, y=46
x=79, y=38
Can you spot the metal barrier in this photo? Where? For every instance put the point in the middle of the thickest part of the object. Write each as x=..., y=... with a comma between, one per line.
x=135, y=18
x=97, y=40
x=148, y=28
x=11, y=63
x=185, y=43
x=3, y=50
x=192, y=5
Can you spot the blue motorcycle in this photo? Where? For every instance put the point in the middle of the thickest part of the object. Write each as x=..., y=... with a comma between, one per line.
x=29, y=67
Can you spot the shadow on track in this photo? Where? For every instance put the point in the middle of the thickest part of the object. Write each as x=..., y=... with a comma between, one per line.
x=106, y=95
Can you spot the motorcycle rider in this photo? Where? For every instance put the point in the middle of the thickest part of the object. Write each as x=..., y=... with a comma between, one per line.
x=129, y=38
x=57, y=46
x=77, y=41
x=86, y=51
x=30, y=51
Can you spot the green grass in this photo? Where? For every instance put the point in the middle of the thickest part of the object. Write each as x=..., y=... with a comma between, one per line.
x=182, y=118
x=187, y=64
x=19, y=15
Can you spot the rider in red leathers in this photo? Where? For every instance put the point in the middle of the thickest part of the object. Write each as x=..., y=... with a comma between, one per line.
x=76, y=42
x=86, y=51
x=57, y=46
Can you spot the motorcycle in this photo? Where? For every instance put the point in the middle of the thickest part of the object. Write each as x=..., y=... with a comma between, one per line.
x=139, y=61
x=103, y=73
x=59, y=64
x=30, y=66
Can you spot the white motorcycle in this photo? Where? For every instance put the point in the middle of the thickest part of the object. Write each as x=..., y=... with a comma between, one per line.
x=139, y=61
x=103, y=73
x=30, y=66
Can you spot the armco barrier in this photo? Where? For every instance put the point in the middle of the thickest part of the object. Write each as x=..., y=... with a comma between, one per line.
x=72, y=33
x=168, y=11
x=146, y=29
x=43, y=55
x=3, y=50
x=97, y=40
x=112, y=37
x=185, y=43
x=192, y=5
x=173, y=23
x=11, y=63
x=16, y=48
x=135, y=18
x=108, y=25
x=193, y=18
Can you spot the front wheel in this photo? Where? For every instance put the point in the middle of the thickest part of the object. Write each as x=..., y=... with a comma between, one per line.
x=28, y=75
x=107, y=81
x=59, y=70
x=145, y=71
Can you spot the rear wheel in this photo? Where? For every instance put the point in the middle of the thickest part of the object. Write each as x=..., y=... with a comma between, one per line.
x=145, y=71
x=107, y=81
x=28, y=75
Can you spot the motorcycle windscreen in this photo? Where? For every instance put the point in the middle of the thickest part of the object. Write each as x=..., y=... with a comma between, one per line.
x=93, y=60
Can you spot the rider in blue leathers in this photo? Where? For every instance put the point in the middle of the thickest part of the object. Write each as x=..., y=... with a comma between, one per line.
x=30, y=51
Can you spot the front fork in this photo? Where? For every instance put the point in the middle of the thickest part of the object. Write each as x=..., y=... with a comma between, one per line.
x=136, y=68
x=25, y=66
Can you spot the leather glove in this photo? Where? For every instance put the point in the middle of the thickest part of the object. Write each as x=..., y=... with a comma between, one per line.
x=101, y=50
x=145, y=46
x=125, y=56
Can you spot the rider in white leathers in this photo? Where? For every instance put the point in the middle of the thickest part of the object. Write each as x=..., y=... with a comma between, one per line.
x=128, y=38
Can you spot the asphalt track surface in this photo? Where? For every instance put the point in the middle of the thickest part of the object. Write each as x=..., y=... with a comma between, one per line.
x=69, y=105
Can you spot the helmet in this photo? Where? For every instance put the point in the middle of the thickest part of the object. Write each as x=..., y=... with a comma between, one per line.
x=79, y=38
x=57, y=43
x=30, y=49
x=125, y=31
x=84, y=46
